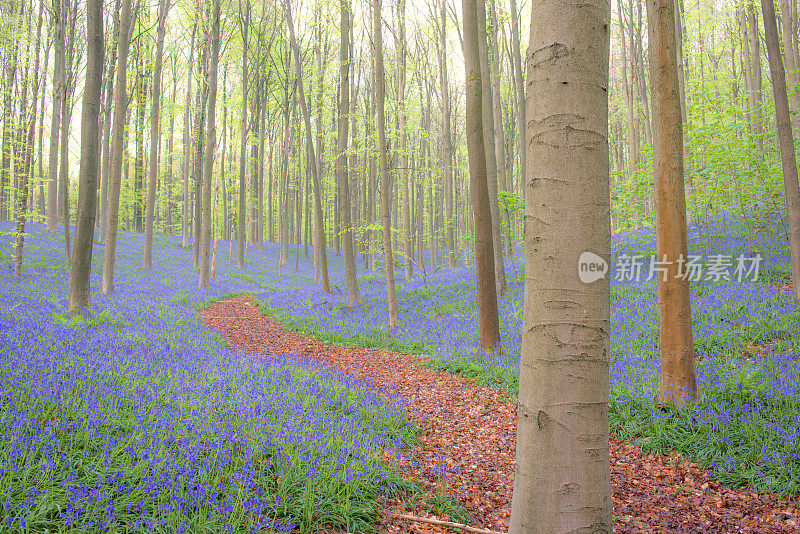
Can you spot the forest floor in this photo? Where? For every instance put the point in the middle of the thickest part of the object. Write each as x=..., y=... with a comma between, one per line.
x=468, y=440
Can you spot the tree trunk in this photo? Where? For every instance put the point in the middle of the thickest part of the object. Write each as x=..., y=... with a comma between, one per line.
x=788, y=24
x=520, y=81
x=782, y=118
x=490, y=151
x=163, y=9
x=211, y=145
x=27, y=150
x=81, y=267
x=244, y=21
x=109, y=95
x=311, y=152
x=115, y=175
x=202, y=96
x=755, y=62
x=448, y=144
x=341, y=160
x=67, y=88
x=562, y=481
x=380, y=98
x=488, y=323
x=678, y=382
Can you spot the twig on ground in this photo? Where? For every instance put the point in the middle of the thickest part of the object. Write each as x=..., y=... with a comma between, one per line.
x=446, y=524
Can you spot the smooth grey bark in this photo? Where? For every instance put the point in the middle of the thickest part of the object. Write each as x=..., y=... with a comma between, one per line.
x=562, y=481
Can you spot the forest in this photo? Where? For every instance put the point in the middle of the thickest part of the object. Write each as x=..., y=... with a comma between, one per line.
x=297, y=266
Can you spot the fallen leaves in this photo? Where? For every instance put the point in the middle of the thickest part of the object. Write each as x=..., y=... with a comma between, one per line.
x=469, y=434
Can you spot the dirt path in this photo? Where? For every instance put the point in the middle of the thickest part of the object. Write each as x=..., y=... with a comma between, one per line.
x=471, y=430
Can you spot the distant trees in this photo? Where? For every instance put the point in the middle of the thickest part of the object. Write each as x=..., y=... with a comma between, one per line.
x=562, y=481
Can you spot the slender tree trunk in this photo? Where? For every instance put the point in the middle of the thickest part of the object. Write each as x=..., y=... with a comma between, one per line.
x=202, y=96
x=490, y=151
x=448, y=144
x=211, y=142
x=115, y=182
x=640, y=77
x=341, y=161
x=488, y=322
x=520, y=81
x=678, y=382
x=262, y=139
x=81, y=267
x=225, y=234
x=30, y=127
x=109, y=95
x=755, y=62
x=163, y=9
x=187, y=148
x=403, y=149
x=311, y=152
x=782, y=118
x=67, y=88
x=380, y=98
x=244, y=21
x=789, y=38
x=562, y=481
x=171, y=147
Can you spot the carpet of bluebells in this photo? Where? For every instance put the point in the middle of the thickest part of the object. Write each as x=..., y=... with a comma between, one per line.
x=746, y=333
x=137, y=418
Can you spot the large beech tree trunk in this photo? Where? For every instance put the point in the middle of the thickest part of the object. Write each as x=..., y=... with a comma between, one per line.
x=678, y=381
x=782, y=118
x=81, y=267
x=562, y=481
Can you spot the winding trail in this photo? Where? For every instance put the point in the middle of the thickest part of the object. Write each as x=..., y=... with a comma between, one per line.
x=471, y=430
